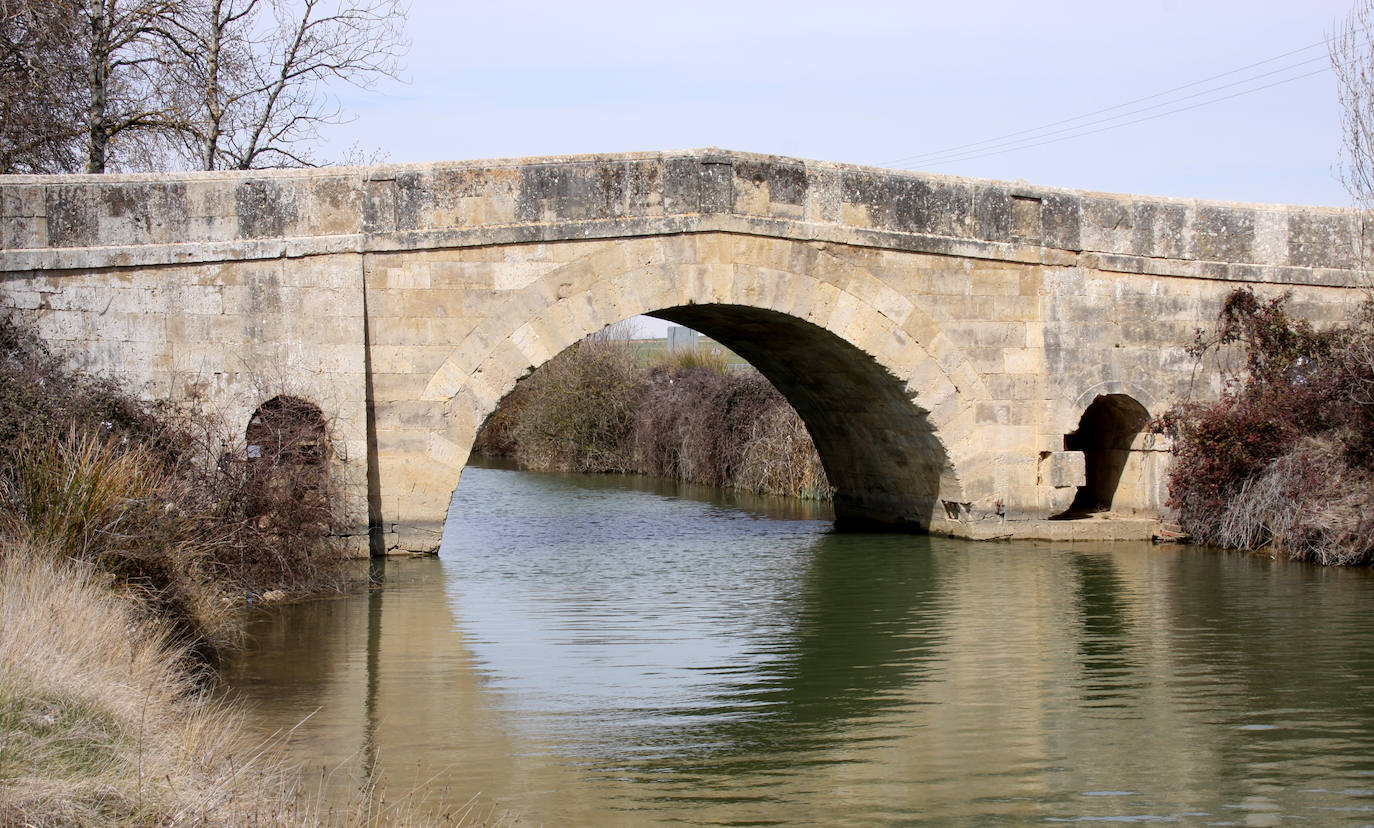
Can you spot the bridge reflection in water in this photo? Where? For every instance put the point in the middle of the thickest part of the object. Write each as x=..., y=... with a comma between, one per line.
x=602, y=651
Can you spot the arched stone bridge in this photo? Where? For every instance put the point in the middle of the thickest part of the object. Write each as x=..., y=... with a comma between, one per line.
x=970, y=356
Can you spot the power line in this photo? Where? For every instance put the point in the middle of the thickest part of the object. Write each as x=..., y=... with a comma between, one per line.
x=940, y=158
x=1040, y=143
x=1030, y=133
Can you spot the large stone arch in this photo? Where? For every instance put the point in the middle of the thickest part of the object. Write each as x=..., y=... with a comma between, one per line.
x=888, y=397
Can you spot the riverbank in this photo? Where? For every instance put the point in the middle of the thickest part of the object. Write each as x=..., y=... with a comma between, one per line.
x=131, y=543
x=601, y=407
x=101, y=721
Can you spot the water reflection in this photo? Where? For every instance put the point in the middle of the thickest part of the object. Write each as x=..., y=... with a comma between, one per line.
x=1104, y=615
x=592, y=652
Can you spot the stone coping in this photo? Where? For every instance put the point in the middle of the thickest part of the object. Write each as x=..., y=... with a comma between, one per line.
x=84, y=222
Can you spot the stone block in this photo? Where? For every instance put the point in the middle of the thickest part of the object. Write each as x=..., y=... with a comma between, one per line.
x=1063, y=469
x=1224, y=234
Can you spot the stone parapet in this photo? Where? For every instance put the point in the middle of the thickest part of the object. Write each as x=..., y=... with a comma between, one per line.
x=74, y=222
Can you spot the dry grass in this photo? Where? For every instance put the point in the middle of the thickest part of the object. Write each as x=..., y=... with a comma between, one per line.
x=101, y=724
x=686, y=359
x=1309, y=504
x=119, y=508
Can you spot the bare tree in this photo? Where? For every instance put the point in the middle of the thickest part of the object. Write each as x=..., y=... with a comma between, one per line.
x=41, y=87
x=257, y=71
x=1352, y=58
x=217, y=84
x=131, y=47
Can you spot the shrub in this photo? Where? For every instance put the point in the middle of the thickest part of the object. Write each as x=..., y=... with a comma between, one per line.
x=688, y=417
x=148, y=495
x=1283, y=458
x=577, y=411
x=695, y=423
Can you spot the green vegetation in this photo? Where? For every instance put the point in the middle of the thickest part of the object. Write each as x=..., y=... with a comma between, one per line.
x=597, y=408
x=1285, y=458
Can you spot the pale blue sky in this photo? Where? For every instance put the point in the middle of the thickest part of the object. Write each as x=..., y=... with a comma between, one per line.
x=874, y=82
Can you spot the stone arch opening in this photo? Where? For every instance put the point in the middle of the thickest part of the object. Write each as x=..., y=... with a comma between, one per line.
x=879, y=448
x=1105, y=434
x=888, y=399
x=880, y=451
x=287, y=465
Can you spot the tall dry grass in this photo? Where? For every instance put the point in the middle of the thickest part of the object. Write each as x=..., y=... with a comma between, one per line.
x=119, y=508
x=102, y=724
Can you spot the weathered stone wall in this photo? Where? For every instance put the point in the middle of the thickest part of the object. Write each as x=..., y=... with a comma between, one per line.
x=940, y=336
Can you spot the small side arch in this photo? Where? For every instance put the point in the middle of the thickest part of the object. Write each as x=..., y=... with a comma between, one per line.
x=1106, y=435
x=286, y=472
x=287, y=429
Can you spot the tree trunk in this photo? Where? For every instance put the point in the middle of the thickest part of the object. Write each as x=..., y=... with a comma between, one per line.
x=99, y=78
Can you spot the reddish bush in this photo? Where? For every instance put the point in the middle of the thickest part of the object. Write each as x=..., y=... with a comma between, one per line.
x=1278, y=458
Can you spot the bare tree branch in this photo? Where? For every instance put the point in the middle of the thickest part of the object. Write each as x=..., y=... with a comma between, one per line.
x=211, y=84
x=262, y=68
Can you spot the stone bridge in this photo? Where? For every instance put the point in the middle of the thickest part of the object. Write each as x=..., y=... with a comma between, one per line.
x=971, y=357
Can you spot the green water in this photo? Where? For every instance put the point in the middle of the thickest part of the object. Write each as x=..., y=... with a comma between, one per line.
x=606, y=651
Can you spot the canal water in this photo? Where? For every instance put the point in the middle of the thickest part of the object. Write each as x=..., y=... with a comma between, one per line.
x=615, y=651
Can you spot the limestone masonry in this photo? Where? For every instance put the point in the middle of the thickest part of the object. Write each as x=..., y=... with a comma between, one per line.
x=971, y=357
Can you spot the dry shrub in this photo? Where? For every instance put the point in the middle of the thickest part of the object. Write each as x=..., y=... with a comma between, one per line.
x=696, y=424
x=577, y=411
x=40, y=395
x=1285, y=457
x=282, y=501
x=780, y=458
x=1309, y=502
x=148, y=494
x=593, y=408
x=116, y=506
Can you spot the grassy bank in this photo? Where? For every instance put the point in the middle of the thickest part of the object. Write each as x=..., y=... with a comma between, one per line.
x=157, y=498
x=598, y=407
x=130, y=541
x=101, y=722
x=1284, y=460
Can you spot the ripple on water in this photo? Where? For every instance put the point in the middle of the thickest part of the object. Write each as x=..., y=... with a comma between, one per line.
x=601, y=651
